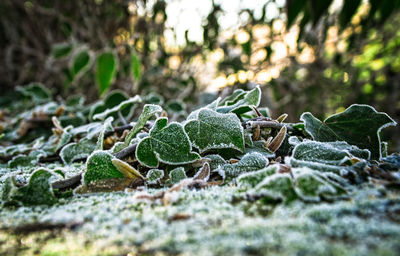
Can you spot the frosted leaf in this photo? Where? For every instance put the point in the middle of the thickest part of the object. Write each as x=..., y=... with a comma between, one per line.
x=166, y=143
x=315, y=165
x=14, y=149
x=248, y=140
x=99, y=166
x=252, y=179
x=106, y=126
x=90, y=130
x=249, y=163
x=213, y=106
x=37, y=191
x=26, y=160
x=242, y=103
x=148, y=111
x=112, y=100
x=358, y=125
x=333, y=153
x=312, y=186
x=64, y=139
x=278, y=186
x=233, y=98
x=117, y=147
x=177, y=174
x=129, y=103
x=215, y=161
x=36, y=92
x=154, y=176
x=259, y=147
x=324, y=156
x=77, y=150
x=212, y=130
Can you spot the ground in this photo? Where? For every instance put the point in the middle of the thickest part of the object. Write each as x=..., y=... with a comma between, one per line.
x=211, y=221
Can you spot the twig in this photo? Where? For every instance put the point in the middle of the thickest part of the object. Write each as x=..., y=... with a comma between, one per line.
x=67, y=183
x=118, y=129
x=126, y=152
x=266, y=124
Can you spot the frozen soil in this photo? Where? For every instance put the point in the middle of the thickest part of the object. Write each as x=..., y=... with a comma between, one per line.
x=212, y=221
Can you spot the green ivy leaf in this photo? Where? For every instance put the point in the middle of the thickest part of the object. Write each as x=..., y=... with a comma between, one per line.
x=177, y=174
x=358, y=125
x=38, y=190
x=61, y=50
x=105, y=71
x=154, y=176
x=80, y=62
x=252, y=179
x=27, y=160
x=136, y=66
x=276, y=187
x=148, y=111
x=332, y=153
x=129, y=103
x=242, y=103
x=249, y=163
x=259, y=147
x=112, y=100
x=36, y=92
x=212, y=130
x=167, y=143
x=79, y=150
x=310, y=186
x=99, y=166
x=213, y=106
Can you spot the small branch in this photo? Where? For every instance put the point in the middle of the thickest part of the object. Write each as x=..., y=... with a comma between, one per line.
x=118, y=129
x=266, y=124
x=72, y=182
x=125, y=152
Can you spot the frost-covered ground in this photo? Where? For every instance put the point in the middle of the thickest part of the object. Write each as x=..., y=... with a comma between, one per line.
x=212, y=221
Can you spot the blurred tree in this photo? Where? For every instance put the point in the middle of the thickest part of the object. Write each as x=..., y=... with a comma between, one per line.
x=318, y=56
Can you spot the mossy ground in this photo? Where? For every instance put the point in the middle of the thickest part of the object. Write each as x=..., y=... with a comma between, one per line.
x=209, y=221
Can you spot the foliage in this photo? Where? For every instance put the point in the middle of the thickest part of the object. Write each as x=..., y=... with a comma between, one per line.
x=209, y=146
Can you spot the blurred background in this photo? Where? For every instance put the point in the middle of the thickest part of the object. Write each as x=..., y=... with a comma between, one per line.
x=308, y=55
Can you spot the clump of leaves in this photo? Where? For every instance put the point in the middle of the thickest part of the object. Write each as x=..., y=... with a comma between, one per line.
x=230, y=141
